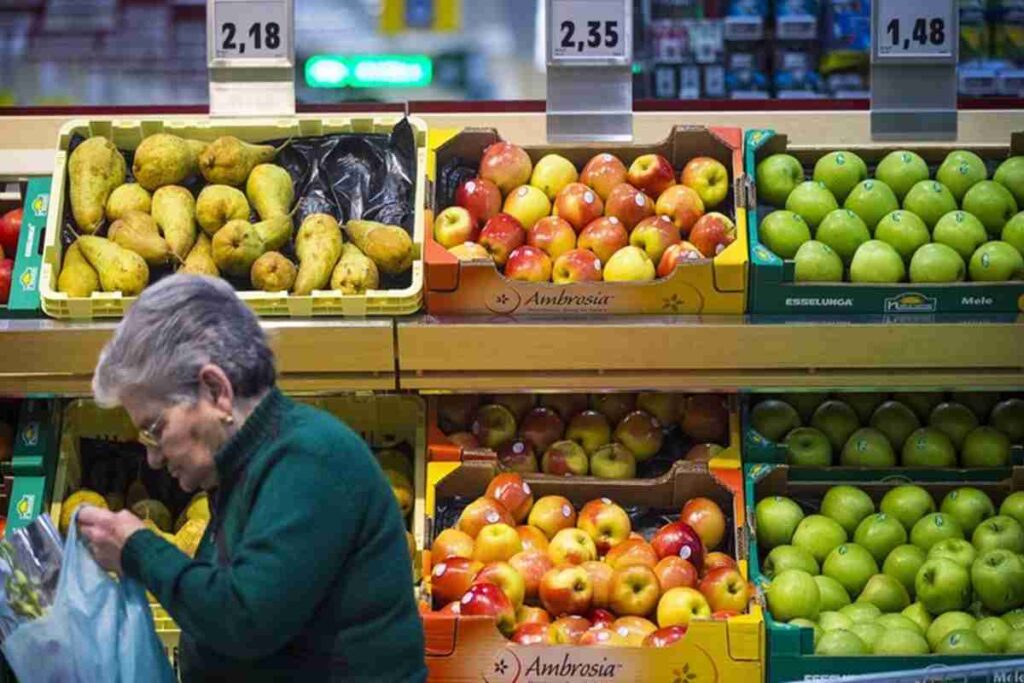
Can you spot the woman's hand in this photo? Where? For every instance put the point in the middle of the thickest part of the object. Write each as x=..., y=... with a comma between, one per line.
x=106, y=533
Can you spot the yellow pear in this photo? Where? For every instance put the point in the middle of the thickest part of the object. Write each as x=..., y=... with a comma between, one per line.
x=77, y=278
x=270, y=191
x=174, y=210
x=276, y=231
x=127, y=197
x=318, y=246
x=165, y=159
x=119, y=269
x=218, y=204
x=229, y=161
x=389, y=246
x=137, y=231
x=355, y=273
x=272, y=272
x=200, y=260
x=95, y=168
x=236, y=247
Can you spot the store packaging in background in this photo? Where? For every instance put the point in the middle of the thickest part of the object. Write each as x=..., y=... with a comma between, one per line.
x=795, y=70
x=845, y=48
x=28, y=263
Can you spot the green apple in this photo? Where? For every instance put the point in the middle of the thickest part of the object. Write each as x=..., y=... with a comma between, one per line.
x=998, y=580
x=848, y=505
x=994, y=631
x=807, y=623
x=1008, y=417
x=773, y=419
x=960, y=171
x=903, y=231
x=1015, y=619
x=877, y=262
x=844, y=231
x=793, y=594
x=930, y=200
x=900, y=170
x=919, y=615
x=929, y=448
x=897, y=621
x=817, y=262
x=833, y=595
x=836, y=420
x=870, y=633
x=933, y=528
x=907, y=503
x=840, y=643
x=785, y=557
x=852, y=566
x=985, y=447
x=807, y=447
x=783, y=232
x=921, y=402
x=811, y=200
x=960, y=231
x=901, y=642
x=903, y=564
x=805, y=402
x=864, y=403
x=1015, y=643
x=862, y=612
x=777, y=175
x=937, y=263
x=963, y=642
x=992, y=203
x=1010, y=175
x=954, y=420
x=871, y=199
x=867, y=447
x=1013, y=507
x=776, y=518
x=999, y=533
x=819, y=535
x=944, y=624
x=956, y=549
x=885, y=593
x=943, y=586
x=896, y=421
x=981, y=402
x=996, y=262
x=969, y=506
x=840, y=171
x=1013, y=232
x=830, y=621
x=879, y=534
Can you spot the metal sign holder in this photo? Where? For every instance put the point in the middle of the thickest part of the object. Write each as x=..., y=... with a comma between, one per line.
x=245, y=80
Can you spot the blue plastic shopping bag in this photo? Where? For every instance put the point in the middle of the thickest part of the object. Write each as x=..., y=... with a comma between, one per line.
x=98, y=629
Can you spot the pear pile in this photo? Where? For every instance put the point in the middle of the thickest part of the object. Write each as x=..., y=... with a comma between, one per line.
x=156, y=222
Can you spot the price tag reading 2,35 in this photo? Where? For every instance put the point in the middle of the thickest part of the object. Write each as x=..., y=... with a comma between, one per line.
x=590, y=30
x=918, y=29
x=251, y=29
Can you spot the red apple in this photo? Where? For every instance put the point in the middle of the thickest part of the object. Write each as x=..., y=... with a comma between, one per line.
x=726, y=589
x=603, y=637
x=576, y=265
x=682, y=205
x=654, y=235
x=496, y=543
x=629, y=205
x=526, y=614
x=603, y=236
x=713, y=233
x=527, y=204
x=453, y=226
x=589, y=429
x=454, y=607
x=507, y=578
x=10, y=229
x=486, y=599
x=552, y=235
x=634, y=629
x=679, y=539
x=480, y=513
x=532, y=538
x=572, y=546
x=706, y=518
x=506, y=165
x=651, y=173
x=450, y=579
x=455, y=411
x=531, y=633
x=709, y=177
x=674, y=571
x=528, y=264
x=510, y=490
x=501, y=236
x=665, y=637
x=566, y=590
x=566, y=405
x=518, y=456
x=717, y=560
x=532, y=565
x=634, y=590
x=451, y=543
x=551, y=514
x=680, y=606
x=470, y=251
x=703, y=452
x=679, y=253
x=606, y=523
x=705, y=417
x=602, y=173
x=541, y=427
x=493, y=425
x=632, y=551
x=578, y=205
x=724, y=614
x=600, y=581
x=6, y=275
x=481, y=198
x=613, y=406
x=519, y=404
x=600, y=617
x=464, y=440
x=565, y=458
x=568, y=630
x=641, y=433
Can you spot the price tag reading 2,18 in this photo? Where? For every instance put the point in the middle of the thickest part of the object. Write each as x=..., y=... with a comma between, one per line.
x=251, y=29
x=918, y=29
x=590, y=30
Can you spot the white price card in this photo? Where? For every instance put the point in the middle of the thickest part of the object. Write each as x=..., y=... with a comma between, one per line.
x=922, y=28
x=250, y=29
x=583, y=30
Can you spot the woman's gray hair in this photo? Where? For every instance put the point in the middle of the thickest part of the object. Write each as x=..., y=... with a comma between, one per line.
x=177, y=326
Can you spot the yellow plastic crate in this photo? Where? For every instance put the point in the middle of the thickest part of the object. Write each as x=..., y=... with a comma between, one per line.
x=128, y=133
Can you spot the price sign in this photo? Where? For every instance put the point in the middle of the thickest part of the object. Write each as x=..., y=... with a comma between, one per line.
x=596, y=31
x=250, y=30
x=923, y=29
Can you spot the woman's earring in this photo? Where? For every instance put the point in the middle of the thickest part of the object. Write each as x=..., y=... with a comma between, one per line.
x=228, y=419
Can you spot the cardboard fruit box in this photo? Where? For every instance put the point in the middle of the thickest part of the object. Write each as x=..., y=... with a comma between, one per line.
x=703, y=286
x=461, y=648
x=773, y=289
x=791, y=648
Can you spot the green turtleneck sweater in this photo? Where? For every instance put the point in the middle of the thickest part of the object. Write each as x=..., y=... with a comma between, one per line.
x=303, y=573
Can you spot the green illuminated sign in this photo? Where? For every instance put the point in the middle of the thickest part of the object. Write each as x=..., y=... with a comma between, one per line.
x=369, y=71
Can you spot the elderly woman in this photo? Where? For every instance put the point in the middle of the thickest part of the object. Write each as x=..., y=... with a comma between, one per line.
x=304, y=571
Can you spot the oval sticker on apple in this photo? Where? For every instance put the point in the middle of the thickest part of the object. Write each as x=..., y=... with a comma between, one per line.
x=567, y=511
x=685, y=552
x=526, y=488
x=493, y=517
x=440, y=569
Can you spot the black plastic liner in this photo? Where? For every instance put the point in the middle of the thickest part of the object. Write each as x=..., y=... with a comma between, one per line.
x=347, y=175
x=453, y=174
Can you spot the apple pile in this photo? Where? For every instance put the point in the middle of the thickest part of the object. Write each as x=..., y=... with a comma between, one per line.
x=604, y=435
x=904, y=580
x=551, y=575
x=956, y=226
x=874, y=430
x=550, y=222
x=10, y=228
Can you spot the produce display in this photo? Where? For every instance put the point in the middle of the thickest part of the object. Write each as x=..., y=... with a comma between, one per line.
x=900, y=221
x=10, y=228
x=925, y=430
x=611, y=436
x=550, y=221
x=601, y=575
x=906, y=574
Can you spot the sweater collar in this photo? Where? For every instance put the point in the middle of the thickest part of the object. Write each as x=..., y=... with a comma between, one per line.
x=261, y=424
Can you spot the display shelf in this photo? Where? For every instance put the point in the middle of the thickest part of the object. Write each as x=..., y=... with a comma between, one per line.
x=50, y=357
x=708, y=352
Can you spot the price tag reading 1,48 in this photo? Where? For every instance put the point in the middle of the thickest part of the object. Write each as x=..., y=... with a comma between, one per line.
x=923, y=28
x=258, y=29
x=589, y=29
